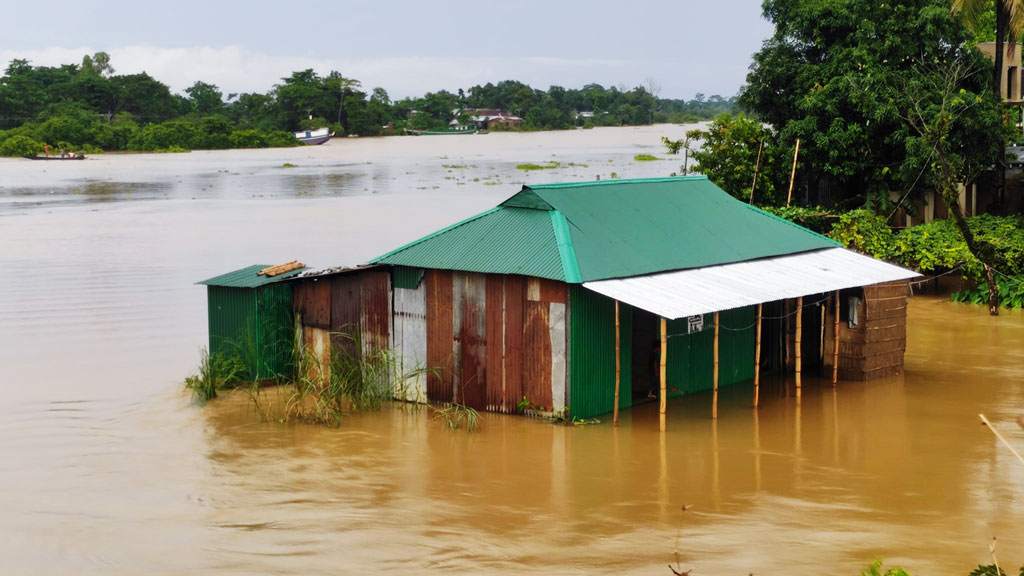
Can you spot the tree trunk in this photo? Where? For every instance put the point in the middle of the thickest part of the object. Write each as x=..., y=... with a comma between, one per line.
x=985, y=253
x=993, y=291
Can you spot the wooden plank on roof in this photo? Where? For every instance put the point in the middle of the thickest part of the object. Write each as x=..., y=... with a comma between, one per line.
x=279, y=269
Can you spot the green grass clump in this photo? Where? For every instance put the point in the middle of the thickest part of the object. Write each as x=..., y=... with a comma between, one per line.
x=215, y=372
x=645, y=158
x=528, y=167
x=456, y=416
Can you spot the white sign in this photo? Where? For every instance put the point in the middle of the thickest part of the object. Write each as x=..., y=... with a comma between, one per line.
x=696, y=323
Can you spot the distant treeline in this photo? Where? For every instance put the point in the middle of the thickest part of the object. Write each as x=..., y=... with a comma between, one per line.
x=88, y=107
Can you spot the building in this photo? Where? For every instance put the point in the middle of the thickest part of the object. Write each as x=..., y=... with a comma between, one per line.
x=519, y=303
x=1013, y=82
x=250, y=313
x=566, y=297
x=487, y=118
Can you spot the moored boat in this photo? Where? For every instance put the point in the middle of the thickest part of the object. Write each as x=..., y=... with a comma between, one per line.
x=446, y=132
x=314, y=137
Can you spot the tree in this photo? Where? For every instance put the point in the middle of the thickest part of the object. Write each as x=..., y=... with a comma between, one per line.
x=205, y=98
x=97, y=65
x=729, y=154
x=935, y=102
x=800, y=83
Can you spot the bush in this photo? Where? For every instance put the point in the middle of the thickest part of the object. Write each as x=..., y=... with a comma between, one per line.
x=20, y=146
x=866, y=232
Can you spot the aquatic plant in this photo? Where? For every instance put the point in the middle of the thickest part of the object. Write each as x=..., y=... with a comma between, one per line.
x=215, y=372
x=875, y=569
x=457, y=415
x=288, y=165
x=548, y=165
x=645, y=158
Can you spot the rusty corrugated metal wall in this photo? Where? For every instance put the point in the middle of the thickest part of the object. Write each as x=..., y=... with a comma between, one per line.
x=336, y=311
x=494, y=339
x=440, y=335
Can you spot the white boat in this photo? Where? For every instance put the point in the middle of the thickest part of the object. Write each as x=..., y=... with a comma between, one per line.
x=313, y=137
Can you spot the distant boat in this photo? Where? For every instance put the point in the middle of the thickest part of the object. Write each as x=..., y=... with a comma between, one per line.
x=314, y=137
x=445, y=132
x=66, y=157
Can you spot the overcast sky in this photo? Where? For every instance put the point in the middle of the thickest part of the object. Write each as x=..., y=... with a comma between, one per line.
x=407, y=47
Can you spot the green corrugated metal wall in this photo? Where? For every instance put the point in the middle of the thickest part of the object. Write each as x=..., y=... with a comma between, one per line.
x=691, y=357
x=254, y=323
x=275, y=336
x=230, y=311
x=592, y=353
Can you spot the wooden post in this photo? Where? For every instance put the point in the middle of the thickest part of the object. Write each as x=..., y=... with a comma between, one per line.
x=714, y=398
x=799, y=334
x=757, y=165
x=792, y=175
x=664, y=380
x=618, y=367
x=757, y=356
x=835, y=346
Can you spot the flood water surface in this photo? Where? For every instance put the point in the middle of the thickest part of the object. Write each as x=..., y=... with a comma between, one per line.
x=107, y=467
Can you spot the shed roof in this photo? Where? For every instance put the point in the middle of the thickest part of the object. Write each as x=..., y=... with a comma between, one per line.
x=580, y=232
x=248, y=277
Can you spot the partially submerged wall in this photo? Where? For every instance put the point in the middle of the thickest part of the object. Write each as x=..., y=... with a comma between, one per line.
x=875, y=346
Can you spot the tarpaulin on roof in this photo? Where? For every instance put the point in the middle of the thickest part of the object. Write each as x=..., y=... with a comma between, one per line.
x=685, y=293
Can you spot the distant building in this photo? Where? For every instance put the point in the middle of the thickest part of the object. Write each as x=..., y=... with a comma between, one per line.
x=1013, y=83
x=486, y=118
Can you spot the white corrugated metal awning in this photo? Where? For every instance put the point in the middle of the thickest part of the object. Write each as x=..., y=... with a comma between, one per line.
x=685, y=293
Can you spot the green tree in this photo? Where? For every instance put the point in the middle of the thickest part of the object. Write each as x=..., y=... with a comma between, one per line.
x=205, y=98
x=728, y=156
x=802, y=83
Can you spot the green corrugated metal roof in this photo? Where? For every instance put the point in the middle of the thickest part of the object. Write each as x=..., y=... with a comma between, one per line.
x=501, y=241
x=578, y=232
x=248, y=277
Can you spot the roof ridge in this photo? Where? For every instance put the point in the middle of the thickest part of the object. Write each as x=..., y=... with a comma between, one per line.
x=589, y=183
x=790, y=223
x=434, y=234
x=566, y=251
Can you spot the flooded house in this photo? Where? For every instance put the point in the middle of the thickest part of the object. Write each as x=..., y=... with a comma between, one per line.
x=581, y=299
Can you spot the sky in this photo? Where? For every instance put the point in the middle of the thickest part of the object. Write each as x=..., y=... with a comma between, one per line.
x=409, y=48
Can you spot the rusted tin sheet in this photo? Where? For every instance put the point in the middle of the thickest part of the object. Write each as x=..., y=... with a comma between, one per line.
x=410, y=341
x=537, y=355
x=375, y=299
x=312, y=299
x=512, y=363
x=440, y=335
x=495, y=312
x=345, y=312
x=469, y=307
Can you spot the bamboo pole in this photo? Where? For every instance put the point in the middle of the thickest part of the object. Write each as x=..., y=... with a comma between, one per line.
x=835, y=347
x=757, y=356
x=664, y=380
x=714, y=398
x=618, y=367
x=1000, y=436
x=757, y=165
x=792, y=175
x=799, y=337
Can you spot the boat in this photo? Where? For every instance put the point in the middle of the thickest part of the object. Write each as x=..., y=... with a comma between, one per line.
x=446, y=132
x=314, y=137
x=65, y=157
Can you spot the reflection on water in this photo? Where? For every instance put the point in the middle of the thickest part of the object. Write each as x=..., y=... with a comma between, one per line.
x=105, y=466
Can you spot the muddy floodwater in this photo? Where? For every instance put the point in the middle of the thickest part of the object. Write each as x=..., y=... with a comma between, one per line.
x=106, y=467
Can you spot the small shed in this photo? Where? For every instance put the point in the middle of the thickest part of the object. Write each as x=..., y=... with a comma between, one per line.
x=250, y=315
